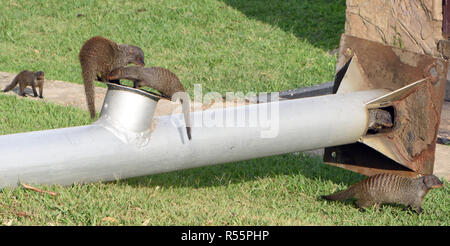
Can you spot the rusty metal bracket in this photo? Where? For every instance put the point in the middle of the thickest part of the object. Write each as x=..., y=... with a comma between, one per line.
x=417, y=83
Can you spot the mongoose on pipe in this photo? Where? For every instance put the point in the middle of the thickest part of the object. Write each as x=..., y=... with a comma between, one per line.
x=160, y=79
x=389, y=188
x=98, y=57
x=28, y=78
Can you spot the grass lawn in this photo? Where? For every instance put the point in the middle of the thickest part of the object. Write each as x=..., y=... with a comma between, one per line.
x=225, y=46
x=279, y=190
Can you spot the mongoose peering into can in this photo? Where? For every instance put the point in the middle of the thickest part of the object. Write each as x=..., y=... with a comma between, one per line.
x=98, y=57
x=160, y=79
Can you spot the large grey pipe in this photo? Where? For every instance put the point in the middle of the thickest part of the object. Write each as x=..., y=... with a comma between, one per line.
x=121, y=144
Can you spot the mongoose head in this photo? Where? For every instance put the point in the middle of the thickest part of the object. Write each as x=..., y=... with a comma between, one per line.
x=380, y=118
x=115, y=74
x=432, y=182
x=40, y=75
x=384, y=118
x=135, y=55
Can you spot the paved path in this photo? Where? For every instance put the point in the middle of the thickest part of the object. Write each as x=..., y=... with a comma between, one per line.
x=71, y=94
x=60, y=92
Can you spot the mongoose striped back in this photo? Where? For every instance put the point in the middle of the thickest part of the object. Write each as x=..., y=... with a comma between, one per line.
x=388, y=188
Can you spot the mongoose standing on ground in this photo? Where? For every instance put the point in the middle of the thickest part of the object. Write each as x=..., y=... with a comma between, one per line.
x=28, y=78
x=389, y=188
x=160, y=79
x=98, y=57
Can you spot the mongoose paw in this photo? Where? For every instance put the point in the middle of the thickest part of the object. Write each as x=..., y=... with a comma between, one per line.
x=416, y=210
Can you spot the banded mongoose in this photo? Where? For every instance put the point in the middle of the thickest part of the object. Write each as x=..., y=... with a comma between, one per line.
x=160, y=79
x=28, y=78
x=389, y=188
x=379, y=119
x=98, y=57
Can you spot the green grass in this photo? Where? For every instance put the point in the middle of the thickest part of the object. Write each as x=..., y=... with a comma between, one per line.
x=19, y=115
x=279, y=190
x=223, y=45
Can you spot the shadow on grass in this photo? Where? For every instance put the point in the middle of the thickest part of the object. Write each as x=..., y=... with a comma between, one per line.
x=321, y=22
x=311, y=168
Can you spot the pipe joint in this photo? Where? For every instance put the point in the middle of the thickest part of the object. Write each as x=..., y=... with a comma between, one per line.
x=127, y=113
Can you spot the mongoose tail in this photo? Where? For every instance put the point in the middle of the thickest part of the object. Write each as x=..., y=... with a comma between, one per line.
x=88, y=78
x=340, y=195
x=12, y=84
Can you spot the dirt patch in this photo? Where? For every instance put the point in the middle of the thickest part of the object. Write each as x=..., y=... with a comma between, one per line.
x=71, y=94
x=59, y=92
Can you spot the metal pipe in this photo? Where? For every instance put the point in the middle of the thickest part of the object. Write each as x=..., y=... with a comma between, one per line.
x=121, y=143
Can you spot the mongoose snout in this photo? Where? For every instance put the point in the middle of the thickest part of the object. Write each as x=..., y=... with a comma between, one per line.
x=115, y=74
x=432, y=182
x=40, y=75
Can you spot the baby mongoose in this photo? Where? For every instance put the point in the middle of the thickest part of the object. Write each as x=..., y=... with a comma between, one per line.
x=389, y=188
x=28, y=78
x=98, y=57
x=160, y=79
